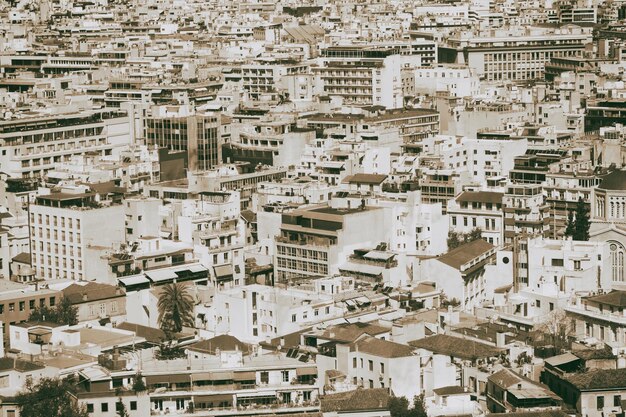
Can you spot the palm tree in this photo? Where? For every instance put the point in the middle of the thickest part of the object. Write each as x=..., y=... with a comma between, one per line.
x=175, y=308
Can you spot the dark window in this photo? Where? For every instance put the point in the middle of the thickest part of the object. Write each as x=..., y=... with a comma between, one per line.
x=104, y=407
x=600, y=402
x=133, y=405
x=89, y=408
x=557, y=262
x=52, y=301
x=31, y=304
x=617, y=401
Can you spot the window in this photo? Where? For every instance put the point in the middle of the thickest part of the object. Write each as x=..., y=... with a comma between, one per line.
x=31, y=304
x=22, y=305
x=361, y=363
x=617, y=401
x=133, y=405
x=538, y=303
x=293, y=318
x=89, y=407
x=551, y=306
x=577, y=265
x=354, y=362
x=371, y=383
x=371, y=365
x=617, y=261
x=382, y=368
x=11, y=306
x=265, y=377
x=104, y=407
x=557, y=262
x=285, y=375
x=600, y=402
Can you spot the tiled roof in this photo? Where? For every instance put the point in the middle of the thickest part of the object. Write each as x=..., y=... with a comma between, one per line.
x=599, y=379
x=222, y=342
x=381, y=348
x=91, y=291
x=465, y=253
x=358, y=400
x=23, y=258
x=480, y=196
x=456, y=347
x=450, y=390
x=151, y=334
x=349, y=332
x=365, y=179
x=615, y=298
x=616, y=180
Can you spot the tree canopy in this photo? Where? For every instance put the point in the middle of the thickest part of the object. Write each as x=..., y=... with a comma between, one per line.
x=578, y=222
x=62, y=313
x=175, y=308
x=399, y=407
x=50, y=397
x=456, y=239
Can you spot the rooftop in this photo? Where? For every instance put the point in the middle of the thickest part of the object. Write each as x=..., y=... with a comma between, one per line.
x=463, y=254
x=456, y=346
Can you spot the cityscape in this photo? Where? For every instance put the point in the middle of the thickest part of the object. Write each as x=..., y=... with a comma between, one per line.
x=317, y=208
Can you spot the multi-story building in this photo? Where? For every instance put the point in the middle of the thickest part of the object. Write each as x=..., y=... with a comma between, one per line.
x=363, y=75
x=18, y=301
x=179, y=128
x=68, y=235
x=508, y=391
x=506, y=55
x=601, y=317
x=262, y=79
x=31, y=146
x=478, y=209
x=314, y=241
x=526, y=212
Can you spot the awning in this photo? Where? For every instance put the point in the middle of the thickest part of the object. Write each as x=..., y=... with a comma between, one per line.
x=257, y=394
x=221, y=376
x=217, y=398
x=223, y=272
x=309, y=370
x=244, y=376
x=167, y=379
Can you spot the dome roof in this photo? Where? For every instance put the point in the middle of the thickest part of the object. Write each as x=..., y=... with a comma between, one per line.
x=616, y=180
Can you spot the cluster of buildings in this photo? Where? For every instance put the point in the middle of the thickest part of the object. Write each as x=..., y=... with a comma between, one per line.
x=363, y=200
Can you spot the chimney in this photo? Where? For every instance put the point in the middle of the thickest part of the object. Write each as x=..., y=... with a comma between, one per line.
x=519, y=386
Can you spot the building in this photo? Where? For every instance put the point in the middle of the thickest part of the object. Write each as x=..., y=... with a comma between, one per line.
x=507, y=391
x=601, y=317
x=314, y=241
x=178, y=128
x=507, y=55
x=478, y=209
x=32, y=146
x=102, y=303
x=68, y=234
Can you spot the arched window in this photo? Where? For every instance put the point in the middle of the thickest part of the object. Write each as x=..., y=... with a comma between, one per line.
x=617, y=261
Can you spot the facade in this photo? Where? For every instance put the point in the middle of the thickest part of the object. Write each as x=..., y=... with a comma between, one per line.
x=67, y=234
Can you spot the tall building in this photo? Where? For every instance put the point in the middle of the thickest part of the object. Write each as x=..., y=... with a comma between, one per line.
x=32, y=146
x=67, y=231
x=179, y=128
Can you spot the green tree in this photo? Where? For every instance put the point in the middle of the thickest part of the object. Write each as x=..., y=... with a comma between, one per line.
x=475, y=234
x=138, y=384
x=63, y=313
x=454, y=240
x=50, y=397
x=66, y=313
x=582, y=221
x=570, y=230
x=120, y=408
x=399, y=407
x=175, y=308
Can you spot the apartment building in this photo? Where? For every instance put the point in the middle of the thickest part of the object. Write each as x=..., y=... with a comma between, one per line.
x=526, y=212
x=255, y=313
x=478, y=209
x=600, y=317
x=33, y=145
x=179, y=128
x=68, y=235
x=262, y=79
x=413, y=125
x=17, y=302
x=313, y=241
x=507, y=55
x=363, y=75
x=508, y=391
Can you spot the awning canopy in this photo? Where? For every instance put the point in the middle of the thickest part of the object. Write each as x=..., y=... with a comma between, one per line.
x=167, y=379
x=221, y=376
x=244, y=376
x=223, y=272
x=257, y=394
x=309, y=370
x=217, y=398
